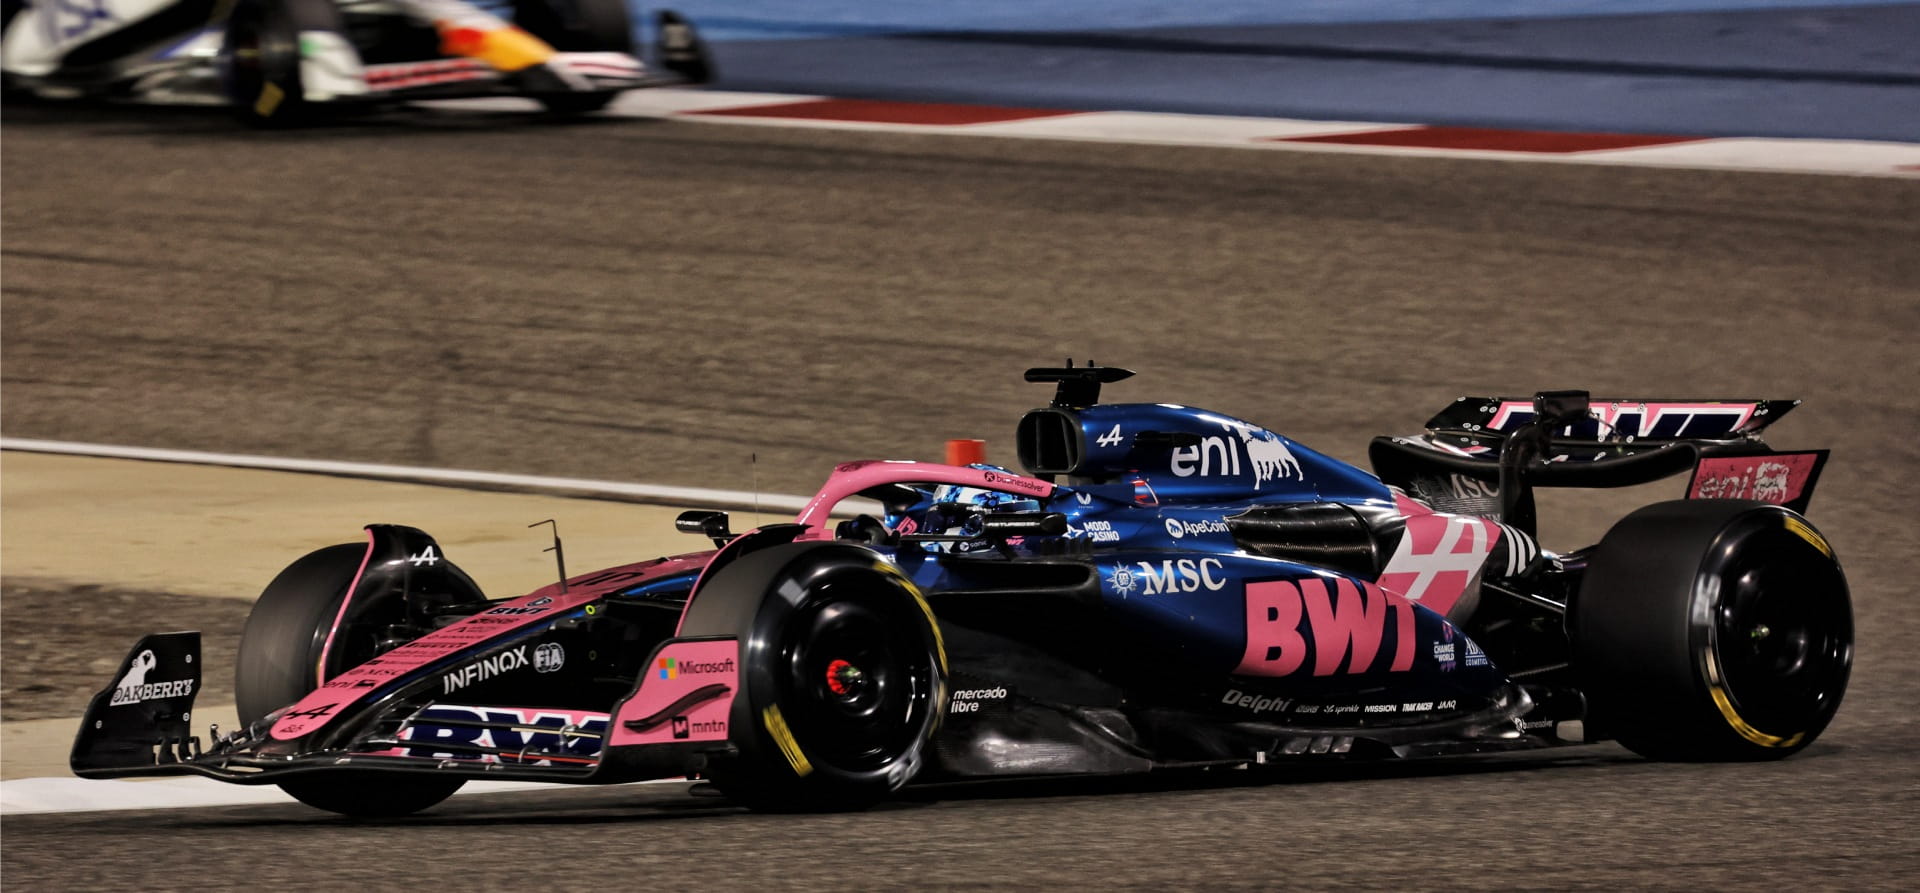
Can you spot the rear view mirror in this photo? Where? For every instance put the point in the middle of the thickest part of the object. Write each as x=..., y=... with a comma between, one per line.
x=706, y=523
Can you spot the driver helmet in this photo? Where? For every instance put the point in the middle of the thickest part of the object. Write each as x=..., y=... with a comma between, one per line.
x=950, y=505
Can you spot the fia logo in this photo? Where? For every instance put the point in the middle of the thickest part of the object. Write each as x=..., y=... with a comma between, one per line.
x=681, y=728
x=549, y=658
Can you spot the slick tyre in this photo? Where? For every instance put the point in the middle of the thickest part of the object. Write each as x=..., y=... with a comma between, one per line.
x=279, y=663
x=577, y=26
x=1713, y=630
x=260, y=57
x=843, y=676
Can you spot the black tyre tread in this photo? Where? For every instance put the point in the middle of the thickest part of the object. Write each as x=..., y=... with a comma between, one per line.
x=277, y=665
x=578, y=25
x=1633, y=639
x=279, y=646
x=371, y=795
x=568, y=104
x=732, y=604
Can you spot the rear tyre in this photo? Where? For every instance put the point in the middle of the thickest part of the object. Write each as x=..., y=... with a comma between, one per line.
x=1713, y=630
x=279, y=663
x=578, y=26
x=843, y=676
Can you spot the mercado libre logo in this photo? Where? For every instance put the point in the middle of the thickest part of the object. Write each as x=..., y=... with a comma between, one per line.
x=668, y=669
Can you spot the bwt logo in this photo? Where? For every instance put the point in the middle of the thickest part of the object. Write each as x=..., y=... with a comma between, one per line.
x=1346, y=628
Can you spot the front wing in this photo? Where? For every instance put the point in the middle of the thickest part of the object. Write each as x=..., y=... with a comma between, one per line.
x=668, y=725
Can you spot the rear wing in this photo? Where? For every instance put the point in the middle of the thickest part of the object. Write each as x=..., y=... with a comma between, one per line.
x=1483, y=455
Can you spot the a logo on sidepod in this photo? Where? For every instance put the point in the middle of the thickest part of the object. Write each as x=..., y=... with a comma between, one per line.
x=668, y=670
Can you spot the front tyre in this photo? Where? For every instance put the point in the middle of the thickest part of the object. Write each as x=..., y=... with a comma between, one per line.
x=279, y=662
x=1713, y=630
x=260, y=59
x=843, y=676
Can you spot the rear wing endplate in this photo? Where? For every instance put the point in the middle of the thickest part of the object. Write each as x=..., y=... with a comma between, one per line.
x=1483, y=455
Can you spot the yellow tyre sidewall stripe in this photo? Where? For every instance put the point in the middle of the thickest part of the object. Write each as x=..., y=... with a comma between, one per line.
x=270, y=98
x=1717, y=689
x=783, y=737
x=1806, y=532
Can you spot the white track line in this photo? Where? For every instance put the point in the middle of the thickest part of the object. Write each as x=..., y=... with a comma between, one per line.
x=28, y=796
x=735, y=499
x=1756, y=154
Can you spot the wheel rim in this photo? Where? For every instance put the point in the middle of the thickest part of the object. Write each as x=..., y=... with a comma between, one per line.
x=1781, y=631
x=856, y=678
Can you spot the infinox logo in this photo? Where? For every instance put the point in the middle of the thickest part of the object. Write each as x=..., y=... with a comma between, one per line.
x=482, y=670
x=1347, y=621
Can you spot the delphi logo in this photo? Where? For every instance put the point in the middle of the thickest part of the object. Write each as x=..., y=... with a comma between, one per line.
x=134, y=687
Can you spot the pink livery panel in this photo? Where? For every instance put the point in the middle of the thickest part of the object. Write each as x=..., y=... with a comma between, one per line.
x=324, y=704
x=685, y=695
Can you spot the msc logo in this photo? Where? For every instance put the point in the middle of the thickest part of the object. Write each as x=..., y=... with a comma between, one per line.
x=1181, y=575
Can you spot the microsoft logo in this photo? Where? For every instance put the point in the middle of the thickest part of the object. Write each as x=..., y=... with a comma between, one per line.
x=667, y=668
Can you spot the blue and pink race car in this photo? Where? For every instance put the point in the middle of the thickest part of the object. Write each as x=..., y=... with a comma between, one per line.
x=1160, y=586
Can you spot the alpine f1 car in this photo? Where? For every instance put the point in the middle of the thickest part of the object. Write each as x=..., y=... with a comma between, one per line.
x=1163, y=587
x=290, y=61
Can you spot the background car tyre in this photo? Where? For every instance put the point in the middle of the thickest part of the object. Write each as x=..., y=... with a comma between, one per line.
x=578, y=26
x=1713, y=630
x=260, y=59
x=279, y=663
x=843, y=675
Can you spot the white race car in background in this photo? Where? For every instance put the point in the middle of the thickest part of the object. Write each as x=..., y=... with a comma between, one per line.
x=290, y=61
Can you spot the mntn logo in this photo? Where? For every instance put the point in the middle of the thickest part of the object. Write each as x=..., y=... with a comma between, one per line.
x=668, y=669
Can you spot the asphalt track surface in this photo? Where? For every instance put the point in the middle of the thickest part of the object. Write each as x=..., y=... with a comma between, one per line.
x=659, y=302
